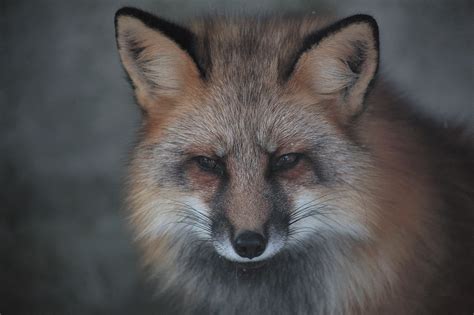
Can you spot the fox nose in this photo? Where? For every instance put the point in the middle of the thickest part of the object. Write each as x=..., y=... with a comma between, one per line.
x=249, y=244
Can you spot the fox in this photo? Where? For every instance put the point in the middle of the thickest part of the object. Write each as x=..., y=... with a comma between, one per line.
x=276, y=172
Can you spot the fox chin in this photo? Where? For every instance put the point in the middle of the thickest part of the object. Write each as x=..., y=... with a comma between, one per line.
x=276, y=173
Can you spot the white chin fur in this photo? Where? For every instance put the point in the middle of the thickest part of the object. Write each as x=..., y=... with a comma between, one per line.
x=226, y=250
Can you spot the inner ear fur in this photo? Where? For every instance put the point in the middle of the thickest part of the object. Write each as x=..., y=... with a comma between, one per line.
x=340, y=62
x=156, y=56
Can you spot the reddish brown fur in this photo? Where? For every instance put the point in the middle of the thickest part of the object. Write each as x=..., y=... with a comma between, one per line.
x=378, y=160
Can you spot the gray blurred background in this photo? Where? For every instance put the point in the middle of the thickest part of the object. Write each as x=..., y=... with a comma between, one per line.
x=67, y=120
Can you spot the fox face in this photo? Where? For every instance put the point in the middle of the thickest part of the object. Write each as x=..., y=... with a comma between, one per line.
x=251, y=179
x=254, y=159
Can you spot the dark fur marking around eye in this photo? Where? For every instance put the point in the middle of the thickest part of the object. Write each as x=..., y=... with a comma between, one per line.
x=321, y=170
x=218, y=204
x=279, y=215
x=321, y=173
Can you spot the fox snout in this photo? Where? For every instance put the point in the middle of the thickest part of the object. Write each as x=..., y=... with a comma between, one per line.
x=256, y=243
x=249, y=246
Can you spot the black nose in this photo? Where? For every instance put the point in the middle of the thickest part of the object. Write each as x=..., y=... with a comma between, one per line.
x=249, y=244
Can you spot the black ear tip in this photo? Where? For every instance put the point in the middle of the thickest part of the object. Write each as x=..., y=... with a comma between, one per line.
x=145, y=17
x=362, y=18
x=131, y=11
x=121, y=12
x=127, y=11
x=365, y=18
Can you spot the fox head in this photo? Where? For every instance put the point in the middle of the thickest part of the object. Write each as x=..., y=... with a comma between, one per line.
x=251, y=153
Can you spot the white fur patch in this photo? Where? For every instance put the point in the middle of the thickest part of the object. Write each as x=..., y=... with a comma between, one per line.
x=226, y=250
x=326, y=218
x=169, y=218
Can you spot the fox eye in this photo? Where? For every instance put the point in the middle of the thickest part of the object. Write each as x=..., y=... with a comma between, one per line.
x=209, y=165
x=286, y=161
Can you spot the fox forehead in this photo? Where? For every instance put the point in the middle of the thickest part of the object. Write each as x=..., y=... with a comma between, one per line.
x=261, y=50
x=226, y=126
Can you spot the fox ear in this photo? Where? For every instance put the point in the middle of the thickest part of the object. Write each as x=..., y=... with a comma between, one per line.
x=156, y=54
x=341, y=61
